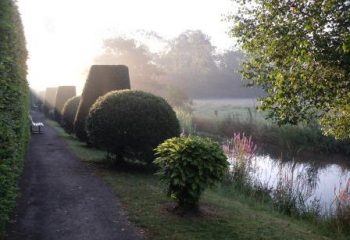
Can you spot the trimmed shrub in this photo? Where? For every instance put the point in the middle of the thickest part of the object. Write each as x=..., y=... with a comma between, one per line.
x=14, y=103
x=131, y=124
x=63, y=94
x=68, y=114
x=187, y=166
x=101, y=80
x=49, y=101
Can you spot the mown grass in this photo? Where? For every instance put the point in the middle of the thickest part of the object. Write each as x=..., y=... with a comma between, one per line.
x=226, y=213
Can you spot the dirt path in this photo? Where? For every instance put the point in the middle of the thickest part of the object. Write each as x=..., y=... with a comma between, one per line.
x=62, y=199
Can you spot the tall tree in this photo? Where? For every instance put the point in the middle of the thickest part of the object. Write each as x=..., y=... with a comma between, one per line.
x=143, y=72
x=189, y=62
x=230, y=61
x=189, y=52
x=230, y=80
x=299, y=52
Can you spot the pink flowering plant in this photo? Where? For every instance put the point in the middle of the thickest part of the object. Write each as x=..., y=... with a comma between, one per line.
x=240, y=150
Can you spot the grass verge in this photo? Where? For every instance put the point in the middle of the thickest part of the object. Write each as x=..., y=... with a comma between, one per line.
x=226, y=214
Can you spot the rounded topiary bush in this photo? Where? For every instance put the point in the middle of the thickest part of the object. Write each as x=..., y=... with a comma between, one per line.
x=187, y=166
x=68, y=114
x=131, y=123
x=101, y=80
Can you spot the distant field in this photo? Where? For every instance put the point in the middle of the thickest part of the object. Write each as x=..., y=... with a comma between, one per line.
x=223, y=108
x=235, y=102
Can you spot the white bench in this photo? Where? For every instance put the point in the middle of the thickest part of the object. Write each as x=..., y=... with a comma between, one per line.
x=35, y=127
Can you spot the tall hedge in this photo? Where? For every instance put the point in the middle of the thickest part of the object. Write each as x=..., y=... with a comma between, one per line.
x=14, y=102
x=101, y=80
x=49, y=100
x=63, y=94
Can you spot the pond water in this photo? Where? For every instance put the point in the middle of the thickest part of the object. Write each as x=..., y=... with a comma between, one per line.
x=316, y=180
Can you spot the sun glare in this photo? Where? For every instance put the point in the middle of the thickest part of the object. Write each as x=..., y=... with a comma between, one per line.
x=63, y=37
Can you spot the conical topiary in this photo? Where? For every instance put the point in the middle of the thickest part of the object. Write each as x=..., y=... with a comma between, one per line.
x=101, y=80
x=63, y=94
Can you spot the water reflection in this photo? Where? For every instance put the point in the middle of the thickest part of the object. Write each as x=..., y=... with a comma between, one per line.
x=314, y=181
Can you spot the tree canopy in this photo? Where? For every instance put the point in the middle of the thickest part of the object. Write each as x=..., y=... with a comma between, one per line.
x=299, y=53
x=136, y=56
x=188, y=63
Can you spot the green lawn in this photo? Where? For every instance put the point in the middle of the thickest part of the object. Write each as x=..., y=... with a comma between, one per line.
x=226, y=213
x=221, y=109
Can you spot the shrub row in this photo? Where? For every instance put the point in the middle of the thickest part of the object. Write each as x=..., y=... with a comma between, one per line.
x=101, y=80
x=63, y=94
x=68, y=114
x=128, y=124
x=131, y=124
x=14, y=102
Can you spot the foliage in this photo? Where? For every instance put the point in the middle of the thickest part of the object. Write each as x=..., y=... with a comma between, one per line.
x=291, y=140
x=185, y=120
x=101, y=80
x=143, y=71
x=293, y=193
x=131, y=124
x=241, y=150
x=189, y=63
x=195, y=51
x=178, y=98
x=188, y=165
x=298, y=51
x=336, y=122
x=223, y=196
x=14, y=102
x=63, y=94
x=68, y=113
x=226, y=211
x=342, y=205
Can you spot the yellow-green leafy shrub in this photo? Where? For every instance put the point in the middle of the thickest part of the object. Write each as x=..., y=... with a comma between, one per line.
x=189, y=165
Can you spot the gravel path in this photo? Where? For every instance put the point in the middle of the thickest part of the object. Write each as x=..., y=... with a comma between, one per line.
x=62, y=199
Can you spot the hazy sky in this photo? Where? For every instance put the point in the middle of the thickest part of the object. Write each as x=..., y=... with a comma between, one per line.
x=63, y=36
